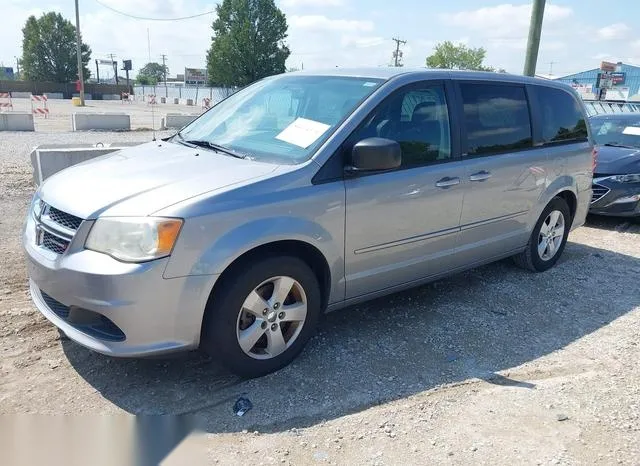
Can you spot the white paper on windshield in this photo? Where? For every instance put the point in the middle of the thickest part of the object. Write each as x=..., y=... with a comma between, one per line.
x=632, y=130
x=303, y=132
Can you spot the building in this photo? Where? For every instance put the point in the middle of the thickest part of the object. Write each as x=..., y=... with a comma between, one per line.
x=625, y=83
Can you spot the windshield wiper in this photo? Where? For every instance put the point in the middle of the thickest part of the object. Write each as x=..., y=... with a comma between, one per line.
x=615, y=144
x=182, y=141
x=215, y=147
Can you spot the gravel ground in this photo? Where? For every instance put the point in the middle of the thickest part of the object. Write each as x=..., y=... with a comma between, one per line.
x=494, y=365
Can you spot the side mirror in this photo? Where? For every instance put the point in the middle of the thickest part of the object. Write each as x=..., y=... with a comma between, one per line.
x=375, y=154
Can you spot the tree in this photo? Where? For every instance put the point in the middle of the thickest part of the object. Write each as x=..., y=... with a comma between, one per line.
x=247, y=43
x=457, y=57
x=49, y=50
x=152, y=73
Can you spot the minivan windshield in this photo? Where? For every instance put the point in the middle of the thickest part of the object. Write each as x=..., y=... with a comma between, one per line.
x=283, y=119
x=623, y=132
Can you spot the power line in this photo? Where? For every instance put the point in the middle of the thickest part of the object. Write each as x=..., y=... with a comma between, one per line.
x=153, y=19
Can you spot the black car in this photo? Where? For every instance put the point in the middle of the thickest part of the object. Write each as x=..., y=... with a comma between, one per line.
x=616, y=178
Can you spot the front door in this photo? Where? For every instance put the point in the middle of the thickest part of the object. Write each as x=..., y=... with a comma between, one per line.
x=403, y=225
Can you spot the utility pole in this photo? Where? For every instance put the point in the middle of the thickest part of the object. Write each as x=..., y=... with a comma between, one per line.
x=79, y=52
x=551, y=63
x=397, y=54
x=164, y=71
x=533, y=43
x=97, y=71
x=114, y=65
x=149, y=45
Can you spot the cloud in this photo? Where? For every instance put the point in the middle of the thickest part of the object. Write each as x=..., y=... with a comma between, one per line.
x=322, y=23
x=503, y=20
x=614, y=31
x=362, y=41
x=184, y=42
x=312, y=3
x=601, y=56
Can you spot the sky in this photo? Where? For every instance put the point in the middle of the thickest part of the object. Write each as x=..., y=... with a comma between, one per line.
x=576, y=36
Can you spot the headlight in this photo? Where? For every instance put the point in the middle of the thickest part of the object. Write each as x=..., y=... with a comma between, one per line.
x=134, y=239
x=635, y=178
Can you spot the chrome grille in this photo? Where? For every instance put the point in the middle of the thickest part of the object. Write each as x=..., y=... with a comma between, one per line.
x=55, y=229
x=62, y=218
x=599, y=192
x=54, y=243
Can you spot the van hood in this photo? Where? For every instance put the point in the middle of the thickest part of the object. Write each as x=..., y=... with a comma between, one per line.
x=141, y=180
x=617, y=161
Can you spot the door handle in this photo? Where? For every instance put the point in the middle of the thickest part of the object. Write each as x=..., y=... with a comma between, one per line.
x=447, y=181
x=480, y=176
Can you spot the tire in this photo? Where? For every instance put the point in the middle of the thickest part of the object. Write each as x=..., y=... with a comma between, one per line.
x=245, y=308
x=531, y=258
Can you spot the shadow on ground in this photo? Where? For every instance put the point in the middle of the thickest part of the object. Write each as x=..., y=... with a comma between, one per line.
x=619, y=224
x=470, y=325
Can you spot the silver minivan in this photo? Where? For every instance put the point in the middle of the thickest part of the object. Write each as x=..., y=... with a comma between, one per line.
x=304, y=193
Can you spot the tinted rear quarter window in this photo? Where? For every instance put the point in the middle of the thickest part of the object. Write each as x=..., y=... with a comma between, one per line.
x=496, y=118
x=562, y=119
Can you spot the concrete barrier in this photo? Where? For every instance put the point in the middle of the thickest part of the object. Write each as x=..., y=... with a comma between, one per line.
x=55, y=95
x=163, y=100
x=101, y=121
x=49, y=159
x=177, y=120
x=110, y=97
x=16, y=121
x=186, y=101
x=86, y=96
x=176, y=101
x=20, y=95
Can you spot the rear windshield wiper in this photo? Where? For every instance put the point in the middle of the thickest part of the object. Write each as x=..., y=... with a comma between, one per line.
x=215, y=147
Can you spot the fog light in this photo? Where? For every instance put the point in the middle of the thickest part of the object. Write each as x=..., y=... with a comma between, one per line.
x=626, y=199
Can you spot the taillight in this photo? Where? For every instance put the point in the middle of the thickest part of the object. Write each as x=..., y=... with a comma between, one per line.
x=594, y=159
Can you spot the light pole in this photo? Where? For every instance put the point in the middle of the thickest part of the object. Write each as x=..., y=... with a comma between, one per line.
x=79, y=51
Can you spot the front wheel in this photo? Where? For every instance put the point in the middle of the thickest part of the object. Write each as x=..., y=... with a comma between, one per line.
x=260, y=318
x=548, y=238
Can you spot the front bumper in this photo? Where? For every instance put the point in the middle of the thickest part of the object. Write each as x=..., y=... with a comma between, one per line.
x=112, y=307
x=615, y=199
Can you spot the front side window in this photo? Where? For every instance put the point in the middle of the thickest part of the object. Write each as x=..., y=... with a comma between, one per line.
x=496, y=118
x=282, y=119
x=562, y=117
x=418, y=119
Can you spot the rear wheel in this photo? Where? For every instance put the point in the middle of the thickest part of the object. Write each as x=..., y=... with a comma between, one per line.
x=261, y=317
x=548, y=238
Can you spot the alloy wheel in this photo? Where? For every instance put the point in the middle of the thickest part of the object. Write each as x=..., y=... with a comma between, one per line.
x=271, y=317
x=551, y=235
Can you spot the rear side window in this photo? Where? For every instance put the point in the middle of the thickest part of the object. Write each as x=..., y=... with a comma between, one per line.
x=496, y=118
x=562, y=117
